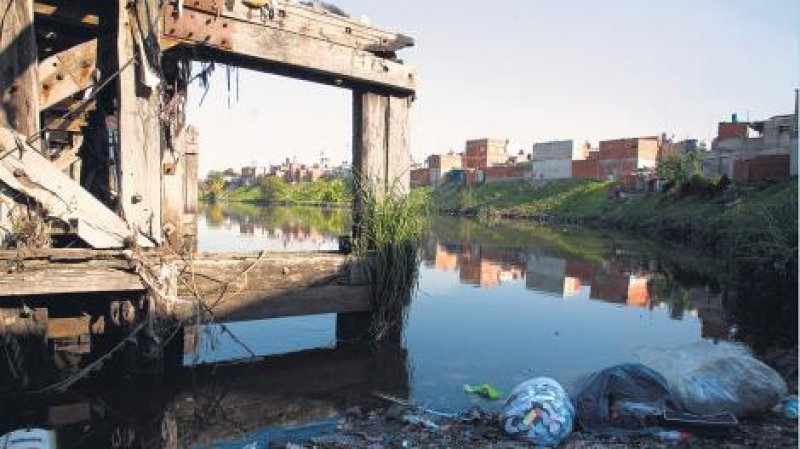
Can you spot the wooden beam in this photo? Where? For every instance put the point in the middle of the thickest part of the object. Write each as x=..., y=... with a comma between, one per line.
x=63, y=280
x=317, y=23
x=139, y=126
x=25, y=170
x=69, y=13
x=67, y=73
x=274, y=285
x=300, y=53
x=19, y=92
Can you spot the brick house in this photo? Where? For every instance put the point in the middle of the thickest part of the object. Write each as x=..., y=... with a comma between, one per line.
x=483, y=153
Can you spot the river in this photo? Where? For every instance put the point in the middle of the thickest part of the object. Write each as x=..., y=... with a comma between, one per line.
x=496, y=303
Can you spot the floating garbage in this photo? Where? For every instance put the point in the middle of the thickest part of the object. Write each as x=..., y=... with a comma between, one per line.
x=538, y=411
x=788, y=407
x=709, y=379
x=486, y=391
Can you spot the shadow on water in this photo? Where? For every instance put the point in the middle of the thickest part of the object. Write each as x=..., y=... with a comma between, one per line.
x=261, y=401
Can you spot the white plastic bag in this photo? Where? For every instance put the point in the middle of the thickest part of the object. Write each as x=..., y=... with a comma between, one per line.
x=707, y=378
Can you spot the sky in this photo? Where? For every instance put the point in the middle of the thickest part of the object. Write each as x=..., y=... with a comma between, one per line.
x=528, y=71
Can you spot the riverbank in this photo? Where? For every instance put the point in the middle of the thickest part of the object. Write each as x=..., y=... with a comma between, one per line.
x=401, y=427
x=723, y=220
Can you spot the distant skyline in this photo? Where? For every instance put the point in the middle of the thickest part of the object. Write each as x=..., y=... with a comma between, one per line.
x=528, y=71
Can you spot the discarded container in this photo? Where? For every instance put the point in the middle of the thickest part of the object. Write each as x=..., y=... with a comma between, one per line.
x=628, y=399
x=29, y=439
x=538, y=411
x=708, y=379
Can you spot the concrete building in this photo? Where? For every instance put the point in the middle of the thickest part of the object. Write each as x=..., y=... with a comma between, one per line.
x=441, y=164
x=749, y=151
x=553, y=160
x=249, y=175
x=622, y=159
x=483, y=153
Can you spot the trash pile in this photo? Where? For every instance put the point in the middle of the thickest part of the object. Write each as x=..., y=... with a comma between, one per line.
x=695, y=396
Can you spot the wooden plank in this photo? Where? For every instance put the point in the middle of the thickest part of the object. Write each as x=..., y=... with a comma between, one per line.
x=67, y=73
x=242, y=287
x=260, y=46
x=398, y=151
x=139, y=127
x=65, y=280
x=316, y=23
x=251, y=306
x=192, y=149
x=28, y=172
x=19, y=92
x=67, y=327
x=172, y=194
x=69, y=13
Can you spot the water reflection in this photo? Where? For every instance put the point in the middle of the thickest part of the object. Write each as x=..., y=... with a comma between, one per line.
x=248, y=227
x=596, y=269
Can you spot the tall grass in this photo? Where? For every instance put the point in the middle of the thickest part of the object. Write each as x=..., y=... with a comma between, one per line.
x=391, y=229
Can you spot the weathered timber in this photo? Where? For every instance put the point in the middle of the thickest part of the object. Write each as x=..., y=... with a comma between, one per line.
x=64, y=280
x=19, y=91
x=246, y=287
x=139, y=127
x=25, y=170
x=398, y=145
x=316, y=23
x=71, y=13
x=369, y=138
x=381, y=146
x=238, y=287
x=263, y=46
x=67, y=73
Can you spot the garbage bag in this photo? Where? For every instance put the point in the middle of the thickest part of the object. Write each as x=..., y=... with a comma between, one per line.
x=538, y=411
x=626, y=399
x=706, y=378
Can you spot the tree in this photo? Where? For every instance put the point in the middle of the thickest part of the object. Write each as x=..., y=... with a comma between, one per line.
x=680, y=167
x=214, y=187
x=273, y=188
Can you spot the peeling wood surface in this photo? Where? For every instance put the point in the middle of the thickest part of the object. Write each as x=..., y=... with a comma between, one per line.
x=19, y=99
x=255, y=41
x=139, y=127
x=242, y=287
x=398, y=145
x=67, y=73
x=28, y=172
x=238, y=287
x=72, y=13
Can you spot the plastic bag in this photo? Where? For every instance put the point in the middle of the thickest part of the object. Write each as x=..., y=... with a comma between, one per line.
x=538, y=411
x=707, y=378
x=627, y=399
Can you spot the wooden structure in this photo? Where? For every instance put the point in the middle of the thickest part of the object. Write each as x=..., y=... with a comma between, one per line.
x=98, y=167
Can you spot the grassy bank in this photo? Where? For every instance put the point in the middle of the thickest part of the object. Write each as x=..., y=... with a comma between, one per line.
x=758, y=220
x=272, y=190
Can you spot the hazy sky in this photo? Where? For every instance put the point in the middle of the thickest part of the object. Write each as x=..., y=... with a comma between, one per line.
x=530, y=70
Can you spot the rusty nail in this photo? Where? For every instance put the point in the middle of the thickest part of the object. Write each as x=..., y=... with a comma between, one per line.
x=60, y=77
x=19, y=173
x=136, y=199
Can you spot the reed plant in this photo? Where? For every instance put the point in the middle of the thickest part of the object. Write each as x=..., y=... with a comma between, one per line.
x=392, y=224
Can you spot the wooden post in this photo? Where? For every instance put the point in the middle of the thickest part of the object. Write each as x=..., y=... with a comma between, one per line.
x=398, y=151
x=18, y=67
x=381, y=146
x=139, y=126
